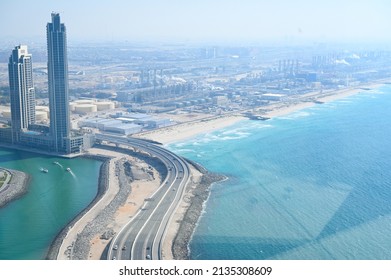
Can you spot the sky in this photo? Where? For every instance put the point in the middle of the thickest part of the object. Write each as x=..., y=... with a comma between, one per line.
x=203, y=20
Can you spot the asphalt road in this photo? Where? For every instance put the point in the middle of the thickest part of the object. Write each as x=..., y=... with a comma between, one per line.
x=142, y=237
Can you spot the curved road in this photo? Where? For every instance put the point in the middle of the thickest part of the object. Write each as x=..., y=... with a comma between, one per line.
x=142, y=237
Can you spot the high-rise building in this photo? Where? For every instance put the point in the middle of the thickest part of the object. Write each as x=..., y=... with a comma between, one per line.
x=22, y=93
x=58, y=83
x=24, y=131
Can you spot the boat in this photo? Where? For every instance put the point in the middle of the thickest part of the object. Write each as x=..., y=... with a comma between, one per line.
x=68, y=169
x=56, y=162
x=44, y=170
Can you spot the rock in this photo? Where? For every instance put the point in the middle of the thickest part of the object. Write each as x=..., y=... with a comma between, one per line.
x=108, y=234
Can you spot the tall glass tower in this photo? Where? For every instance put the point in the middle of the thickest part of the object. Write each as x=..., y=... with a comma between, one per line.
x=58, y=82
x=22, y=91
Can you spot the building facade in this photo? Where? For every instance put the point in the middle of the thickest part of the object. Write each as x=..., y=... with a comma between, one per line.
x=58, y=137
x=22, y=93
x=58, y=83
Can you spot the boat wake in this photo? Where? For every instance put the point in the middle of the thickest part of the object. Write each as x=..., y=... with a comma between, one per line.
x=59, y=164
x=71, y=172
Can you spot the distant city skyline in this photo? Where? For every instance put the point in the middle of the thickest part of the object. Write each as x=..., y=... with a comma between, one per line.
x=219, y=20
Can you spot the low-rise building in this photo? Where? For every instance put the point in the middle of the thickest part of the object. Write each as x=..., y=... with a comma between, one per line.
x=272, y=96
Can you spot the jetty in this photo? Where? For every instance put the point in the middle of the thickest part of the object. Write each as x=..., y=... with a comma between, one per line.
x=256, y=117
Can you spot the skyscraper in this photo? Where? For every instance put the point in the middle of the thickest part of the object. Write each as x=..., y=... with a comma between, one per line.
x=58, y=83
x=57, y=137
x=22, y=93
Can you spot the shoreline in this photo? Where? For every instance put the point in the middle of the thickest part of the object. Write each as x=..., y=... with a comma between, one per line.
x=195, y=206
x=15, y=188
x=187, y=130
x=54, y=248
x=86, y=243
x=190, y=209
x=122, y=192
x=197, y=197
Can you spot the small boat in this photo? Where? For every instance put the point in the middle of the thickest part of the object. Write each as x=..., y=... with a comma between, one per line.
x=68, y=169
x=56, y=162
x=44, y=170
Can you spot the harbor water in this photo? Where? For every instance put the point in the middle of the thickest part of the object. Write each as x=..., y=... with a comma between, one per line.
x=29, y=224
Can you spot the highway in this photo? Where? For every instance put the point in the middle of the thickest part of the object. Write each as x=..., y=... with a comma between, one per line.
x=142, y=237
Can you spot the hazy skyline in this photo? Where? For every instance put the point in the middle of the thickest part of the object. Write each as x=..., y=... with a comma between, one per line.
x=152, y=20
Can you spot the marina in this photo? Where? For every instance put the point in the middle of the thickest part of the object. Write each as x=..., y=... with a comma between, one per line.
x=53, y=199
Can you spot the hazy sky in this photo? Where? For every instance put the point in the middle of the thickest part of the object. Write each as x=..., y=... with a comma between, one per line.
x=211, y=20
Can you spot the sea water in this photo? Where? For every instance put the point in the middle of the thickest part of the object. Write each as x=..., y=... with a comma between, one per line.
x=28, y=225
x=314, y=184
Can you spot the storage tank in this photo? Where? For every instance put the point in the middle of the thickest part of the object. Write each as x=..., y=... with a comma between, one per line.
x=104, y=105
x=7, y=114
x=84, y=101
x=85, y=108
x=42, y=108
x=72, y=106
x=41, y=115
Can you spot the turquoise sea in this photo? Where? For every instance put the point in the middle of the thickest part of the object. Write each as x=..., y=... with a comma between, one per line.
x=29, y=224
x=315, y=184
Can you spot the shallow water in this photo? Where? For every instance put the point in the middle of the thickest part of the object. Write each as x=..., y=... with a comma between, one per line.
x=314, y=184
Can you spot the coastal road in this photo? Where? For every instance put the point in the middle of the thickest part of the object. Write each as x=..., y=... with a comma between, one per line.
x=142, y=237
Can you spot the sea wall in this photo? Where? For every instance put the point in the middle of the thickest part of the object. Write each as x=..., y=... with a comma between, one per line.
x=200, y=194
x=15, y=188
x=102, y=188
x=98, y=225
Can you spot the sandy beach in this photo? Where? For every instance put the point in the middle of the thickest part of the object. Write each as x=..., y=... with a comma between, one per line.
x=149, y=178
x=187, y=130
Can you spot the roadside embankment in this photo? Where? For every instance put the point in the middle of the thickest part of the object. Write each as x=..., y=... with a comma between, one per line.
x=102, y=188
x=193, y=203
x=123, y=175
x=126, y=178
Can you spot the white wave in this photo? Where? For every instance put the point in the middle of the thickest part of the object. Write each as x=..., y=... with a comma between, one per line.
x=242, y=132
x=226, y=138
x=179, y=145
x=220, y=135
x=230, y=136
x=184, y=150
x=329, y=106
x=376, y=91
x=296, y=115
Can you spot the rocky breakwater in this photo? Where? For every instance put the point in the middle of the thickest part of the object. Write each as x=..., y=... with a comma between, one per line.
x=13, y=185
x=198, y=196
x=128, y=171
x=99, y=225
x=102, y=189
